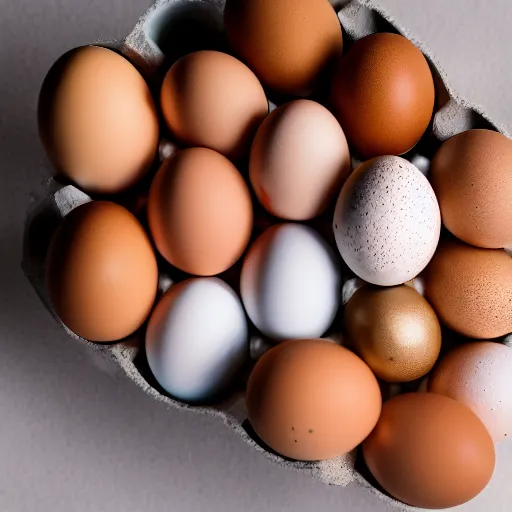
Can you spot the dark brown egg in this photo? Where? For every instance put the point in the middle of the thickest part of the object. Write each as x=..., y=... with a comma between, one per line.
x=383, y=95
x=471, y=289
x=472, y=177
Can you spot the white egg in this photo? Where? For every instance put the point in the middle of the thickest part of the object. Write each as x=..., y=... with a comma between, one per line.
x=197, y=339
x=387, y=221
x=290, y=283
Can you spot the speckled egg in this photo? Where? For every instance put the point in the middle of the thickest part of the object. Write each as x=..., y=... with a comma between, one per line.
x=387, y=221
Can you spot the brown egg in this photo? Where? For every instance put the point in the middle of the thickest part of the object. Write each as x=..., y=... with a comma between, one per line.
x=101, y=272
x=471, y=289
x=97, y=120
x=213, y=100
x=289, y=44
x=472, y=177
x=312, y=399
x=383, y=95
x=395, y=331
x=200, y=212
x=429, y=451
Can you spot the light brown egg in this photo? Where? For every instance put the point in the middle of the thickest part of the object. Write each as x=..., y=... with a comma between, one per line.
x=471, y=289
x=429, y=451
x=200, y=212
x=289, y=44
x=97, y=120
x=472, y=177
x=383, y=95
x=394, y=330
x=312, y=399
x=213, y=100
x=101, y=272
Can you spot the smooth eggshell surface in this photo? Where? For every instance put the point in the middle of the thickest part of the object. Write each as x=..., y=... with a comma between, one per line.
x=299, y=160
x=312, y=399
x=479, y=374
x=213, y=100
x=429, y=451
x=101, y=272
x=290, y=283
x=387, y=221
x=97, y=120
x=197, y=339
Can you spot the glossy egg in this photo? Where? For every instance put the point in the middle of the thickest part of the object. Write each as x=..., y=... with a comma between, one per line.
x=312, y=399
x=197, y=339
x=200, y=212
x=387, y=221
x=213, y=100
x=101, y=272
x=383, y=95
x=97, y=120
x=472, y=177
x=289, y=44
x=290, y=283
x=299, y=160
x=429, y=451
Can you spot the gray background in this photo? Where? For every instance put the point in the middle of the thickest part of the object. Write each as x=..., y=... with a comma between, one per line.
x=72, y=438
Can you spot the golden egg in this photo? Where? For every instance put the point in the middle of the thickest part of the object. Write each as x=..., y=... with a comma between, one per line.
x=395, y=331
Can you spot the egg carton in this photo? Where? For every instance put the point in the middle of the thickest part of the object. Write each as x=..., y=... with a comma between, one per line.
x=168, y=30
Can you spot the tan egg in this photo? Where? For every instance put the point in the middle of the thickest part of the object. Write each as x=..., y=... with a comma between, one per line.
x=394, y=330
x=200, y=212
x=383, y=95
x=97, y=120
x=312, y=399
x=289, y=44
x=429, y=451
x=213, y=100
x=472, y=177
x=101, y=272
x=471, y=289
x=299, y=160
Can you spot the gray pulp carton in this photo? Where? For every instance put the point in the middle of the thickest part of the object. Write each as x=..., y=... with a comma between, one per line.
x=169, y=29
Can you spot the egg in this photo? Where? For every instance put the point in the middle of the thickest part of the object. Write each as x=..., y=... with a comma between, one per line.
x=383, y=95
x=200, y=212
x=213, y=100
x=472, y=176
x=479, y=375
x=299, y=160
x=289, y=44
x=97, y=120
x=101, y=272
x=290, y=283
x=429, y=451
x=197, y=339
x=387, y=221
x=471, y=289
x=394, y=330
x=312, y=399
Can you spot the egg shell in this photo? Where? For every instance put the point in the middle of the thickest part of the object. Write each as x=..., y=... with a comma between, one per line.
x=200, y=212
x=97, y=120
x=101, y=272
x=479, y=375
x=197, y=339
x=299, y=160
x=301, y=40
x=472, y=176
x=471, y=289
x=290, y=283
x=383, y=95
x=387, y=221
x=213, y=100
x=429, y=451
x=312, y=399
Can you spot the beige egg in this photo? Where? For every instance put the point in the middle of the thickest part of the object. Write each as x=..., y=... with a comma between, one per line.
x=299, y=160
